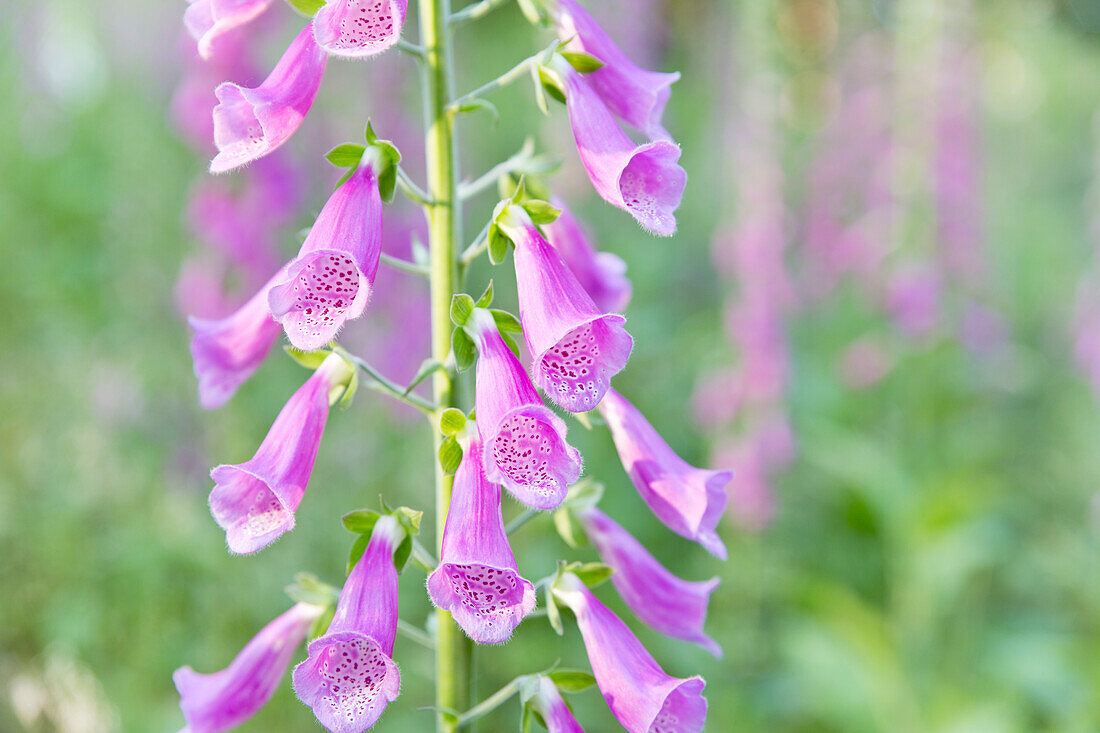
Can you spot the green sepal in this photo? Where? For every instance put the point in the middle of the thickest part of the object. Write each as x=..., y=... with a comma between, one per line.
x=361, y=521
x=528, y=688
x=592, y=574
x=409, y=519
x=451, y=421
x=427, y=367
x=553, y=615
x=462, y=305
x=357, y=550
x=570, y=680
x=387, y=177
x=308, y=588
x=498, y=244
x=486, y=298
x=525, y=718
x=534, y=12
x=551, y=84
x=506, y=322
x=480, y=104
x=346, y=155
x=541, y=212
x=321, y=623
x=343, y=399
x=584, y=494
x=511, y=344
x=569, y=528
x=307, y=8
x=450, y=455
x=402, y=553
x=308, y=359
x=540, y=91
x=585, y=63
x=463, y=348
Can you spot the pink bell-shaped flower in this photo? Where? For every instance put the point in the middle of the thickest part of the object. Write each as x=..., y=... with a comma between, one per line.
x=250, y=123
x=330, y=280
x=350, y=676
x=206, y=20
x=664, y=602
x=477, y=579
x=254, y=502
x=359, y=28
x=641, y=696
x=635, y=95
x=227, y=351
x=689, y=500
x=524, y=442
x=216, y=702
x=643, y=180
x=555, y=713
x=601, y=274
x=575, y=348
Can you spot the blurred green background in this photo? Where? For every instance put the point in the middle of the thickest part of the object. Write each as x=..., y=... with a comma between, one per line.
x=931, y=565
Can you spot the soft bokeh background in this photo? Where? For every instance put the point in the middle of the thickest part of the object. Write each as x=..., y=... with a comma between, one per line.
x=871, y=310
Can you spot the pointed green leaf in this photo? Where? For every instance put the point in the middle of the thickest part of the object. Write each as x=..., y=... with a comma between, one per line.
x=357, y=551
x=451, y=421
x=402, y=553
x=481, y=104
x=308, y=359
x=360, y=521
x=308, y=588
x=593, y=573
x=320, y=626
x=498, y=244
x=585, y=493
x=540, y=92
x=506, y=322
x=568, y=528
x=347, y=155
x=486, y=298
x=307, y=8
x=541, y=212
x=450, y=455
x=553, y=615
x=511, y=343
x=533, y=12
x=427, y=367
x=569, y=680
x=409, y=519
x=462, y=346
x=462, y=306
x=525, y=720
x=585, y=63
x=551, y=84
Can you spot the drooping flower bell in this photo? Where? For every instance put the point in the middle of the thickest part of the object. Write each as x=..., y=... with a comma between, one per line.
x=524, y=442
x=575, y=348
x=254, y=502
x=635, y=95
x=250, y=123
x=477, y=579
x=664, y=602
x=643, y=180
x=330, y=280
x=227, y=351
x=350, y=675
x=359, y=28
x=206, y=20
x=216, y=702
x=555, y=713
x=601, y=274
x=641, y=696
x=689, y=500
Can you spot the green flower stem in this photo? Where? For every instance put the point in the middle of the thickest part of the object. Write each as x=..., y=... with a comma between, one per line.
x=415, y=633
x=475, y=250
x=492, y=702
x=411, y=190
x=404, y=265
x=487, y=181
x=521, y=519
x=513, y=74
x=388, y=387
x=477, y=10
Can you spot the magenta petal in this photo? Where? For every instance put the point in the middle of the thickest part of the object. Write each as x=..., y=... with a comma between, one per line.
x=644, y=180
x=477, y=578
x=601, y=274
x=227, y=351
x=664, y=602
x=689, y=500
x=637, y=96
x=222, y=700
x=205, y=20
x=575, y=348
x=330, y=280
x=641, y=696
x=359, y=28
x=524, y=442
x=254, y=502
x=350, y=676
x=250, y=123
x=556, y=714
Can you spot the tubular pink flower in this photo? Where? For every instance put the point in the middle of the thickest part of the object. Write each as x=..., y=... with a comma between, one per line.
x=575, y=348
x=254, y=502
x=524, y=443
x=637, y=96
x=601, y=274
x=359, y=28
x=222, y=700
x=477, y=579
x=555, y=713
x=250, y=123
x=662, y=601
x=641, y=696
x=350, y=675
x=689, y=500
x=205, y=20
x=227, y=351
x=330, y=280
x=644, y=180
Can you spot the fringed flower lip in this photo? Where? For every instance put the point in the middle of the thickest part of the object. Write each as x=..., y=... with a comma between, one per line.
x=359, y=28
x=477, y=578
x=251, y=122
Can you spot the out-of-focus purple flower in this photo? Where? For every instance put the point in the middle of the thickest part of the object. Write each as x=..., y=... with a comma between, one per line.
x=601, y=274
x=756, y=327
x=350, y=676
x=664, y=602
x=359, y=28
x=250, y=123
x=751, y=496
x=206, y=20
x=641, y=696
x=865, y=362
x=524, y=442
x=227, y=351
x=477, y=579
x=254, y=502
x=216, y=702
x=555, y=713
x=688, y=500
x=200, y=288
x=575, y=348
x=330, y=280
x=913, y=298
x=643, y=180
x=637, y=96
x=1086, y=327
